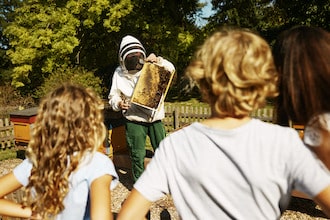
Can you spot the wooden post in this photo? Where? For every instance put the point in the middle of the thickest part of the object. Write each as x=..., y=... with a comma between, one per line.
x=176, y=119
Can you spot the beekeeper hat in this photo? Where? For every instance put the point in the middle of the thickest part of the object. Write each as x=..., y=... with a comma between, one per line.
x=130, y=44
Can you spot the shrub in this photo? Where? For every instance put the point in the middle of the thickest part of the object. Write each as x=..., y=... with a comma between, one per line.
x=76, y=75
x=11, y=99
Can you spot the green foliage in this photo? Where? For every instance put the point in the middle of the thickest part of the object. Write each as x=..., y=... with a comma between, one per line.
x=5, y=72
x=253, y=14
x=42, y=36
x=77, y=75
x=116, y=12
x=269, y=17
x=310, y=13
x=7, y=154
x=47, y=35
x=166, y=28
x=7, y=8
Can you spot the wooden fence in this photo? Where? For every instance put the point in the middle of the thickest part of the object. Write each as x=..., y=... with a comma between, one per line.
x=7, y=138
x=175, y=117
x=178, y=117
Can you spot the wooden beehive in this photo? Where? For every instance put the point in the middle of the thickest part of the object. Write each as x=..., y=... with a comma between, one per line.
x=23, y=121
x=152, y=86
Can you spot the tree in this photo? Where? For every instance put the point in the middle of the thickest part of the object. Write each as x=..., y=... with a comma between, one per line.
x=47, y=35
x=77, y=75
x=7, y=8
x=166, y=28
x=269, y=17
x=310, y=13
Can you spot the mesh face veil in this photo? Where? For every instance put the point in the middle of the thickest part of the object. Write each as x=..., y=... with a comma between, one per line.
x=131, y=54
x=134, y=61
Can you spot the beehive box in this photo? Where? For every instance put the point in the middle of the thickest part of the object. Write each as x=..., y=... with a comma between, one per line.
x=23, y=121
x=151, y=89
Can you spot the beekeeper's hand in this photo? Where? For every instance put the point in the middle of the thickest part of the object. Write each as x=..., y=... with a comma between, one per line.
x=124, y=105
x=154, y=59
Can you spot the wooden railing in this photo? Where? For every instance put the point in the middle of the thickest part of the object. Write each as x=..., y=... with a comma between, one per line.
x=7, y=138
x=178, y=117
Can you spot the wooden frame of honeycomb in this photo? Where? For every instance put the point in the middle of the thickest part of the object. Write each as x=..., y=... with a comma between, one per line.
x=152, y=86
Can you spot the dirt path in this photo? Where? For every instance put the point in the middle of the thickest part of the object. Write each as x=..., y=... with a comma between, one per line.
x=302, y=209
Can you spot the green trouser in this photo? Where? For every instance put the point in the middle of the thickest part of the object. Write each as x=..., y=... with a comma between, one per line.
x=136, y=134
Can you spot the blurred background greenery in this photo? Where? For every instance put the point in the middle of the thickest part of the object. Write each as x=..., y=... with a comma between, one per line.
x=43, y=43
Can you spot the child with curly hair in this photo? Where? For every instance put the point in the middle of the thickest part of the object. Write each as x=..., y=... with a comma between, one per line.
x=64, y=175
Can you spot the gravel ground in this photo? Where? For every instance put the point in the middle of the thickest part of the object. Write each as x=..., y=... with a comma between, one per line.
x=302, y=209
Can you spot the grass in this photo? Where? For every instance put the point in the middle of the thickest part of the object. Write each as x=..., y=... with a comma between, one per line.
x=6, y=154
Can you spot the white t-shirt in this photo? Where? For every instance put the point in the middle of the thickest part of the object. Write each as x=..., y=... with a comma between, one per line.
x=76, y=201
x=242, y=173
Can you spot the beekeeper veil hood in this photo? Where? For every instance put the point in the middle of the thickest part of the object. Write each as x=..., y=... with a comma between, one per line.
x=131, y=54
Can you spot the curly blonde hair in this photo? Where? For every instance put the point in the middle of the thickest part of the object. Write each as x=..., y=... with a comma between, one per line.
x=235, y=72
x=69, y=125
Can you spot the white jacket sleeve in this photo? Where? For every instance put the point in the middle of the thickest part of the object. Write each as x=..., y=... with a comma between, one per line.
x=167, y=64
x=115, y=94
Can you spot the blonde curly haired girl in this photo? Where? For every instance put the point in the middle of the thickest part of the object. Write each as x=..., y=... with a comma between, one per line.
x=64, y=175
